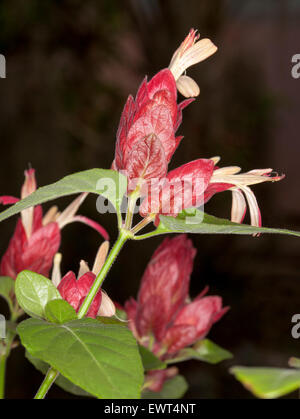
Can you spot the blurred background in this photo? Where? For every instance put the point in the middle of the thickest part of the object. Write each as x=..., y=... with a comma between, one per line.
x=70, y=67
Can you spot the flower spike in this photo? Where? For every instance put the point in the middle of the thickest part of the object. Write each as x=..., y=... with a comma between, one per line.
x=36, y=238
x=163, y=318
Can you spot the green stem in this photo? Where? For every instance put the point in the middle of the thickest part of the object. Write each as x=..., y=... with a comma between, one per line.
x=5, y=354
x=120, y=219
x=123, y=237
x=149, y=235
x=130, y=210
x=2, y=375
x=47, y=383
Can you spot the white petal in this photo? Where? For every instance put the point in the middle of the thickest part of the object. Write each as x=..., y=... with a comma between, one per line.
x=100, y=257
x=199, y=51
x=193, y=55
x=260, y=172
x=56, y=274
x=187, y=86
x=239, y=180
x=51, y=215
x=107, y=307
x=215, y=159
x=255, y=216
x=83, y=268
x=239, y=206
x=67, y=215
x=225, y=171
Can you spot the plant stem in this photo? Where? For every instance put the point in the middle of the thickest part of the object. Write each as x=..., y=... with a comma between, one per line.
x=47, y=383
x=123, y=237
x=130, y=210
x=2, y=374
x=5, y=354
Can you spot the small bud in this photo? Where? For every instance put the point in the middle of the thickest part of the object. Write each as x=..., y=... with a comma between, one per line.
x=28, y=187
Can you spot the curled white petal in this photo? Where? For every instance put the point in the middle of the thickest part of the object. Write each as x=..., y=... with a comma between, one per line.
x=255, y=216
x=187, y=87
x=198, y=52
x=239, y=206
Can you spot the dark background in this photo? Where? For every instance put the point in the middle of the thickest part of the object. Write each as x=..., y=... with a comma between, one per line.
x=70, y=67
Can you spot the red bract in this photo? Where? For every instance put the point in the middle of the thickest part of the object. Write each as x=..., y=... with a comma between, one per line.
x=164, y=285
x=34, y=253
x=193, y=322
x=182, y=188
x=146, y=137
x=162, y=312
x=36, y=238
x=74, y=291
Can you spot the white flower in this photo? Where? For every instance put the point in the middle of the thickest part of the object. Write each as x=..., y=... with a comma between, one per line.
x=191, y=51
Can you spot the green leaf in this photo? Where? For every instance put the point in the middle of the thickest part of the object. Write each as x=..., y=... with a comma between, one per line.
x=204, y=350
x=59, y=311
x=33, y=292
x=174, y=388
x=111, y=320
x=108, y=183
x=268, y=383
x=61, y=381
x=150, y=361
x=7, y=287
x=101, y=359
x=195, y=221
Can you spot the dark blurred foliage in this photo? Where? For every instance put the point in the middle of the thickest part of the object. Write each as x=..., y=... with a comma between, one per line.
x=71, y=65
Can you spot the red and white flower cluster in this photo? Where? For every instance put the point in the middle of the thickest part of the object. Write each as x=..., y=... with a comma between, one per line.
x=164, y=318
x=147, y=140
